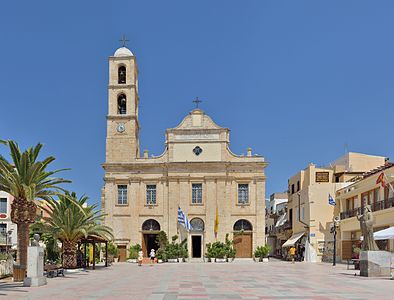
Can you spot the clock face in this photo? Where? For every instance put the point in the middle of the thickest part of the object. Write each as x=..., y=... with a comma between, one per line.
x=120, y=128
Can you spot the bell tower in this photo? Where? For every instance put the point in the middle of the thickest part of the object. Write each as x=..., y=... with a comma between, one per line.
x=122, y=142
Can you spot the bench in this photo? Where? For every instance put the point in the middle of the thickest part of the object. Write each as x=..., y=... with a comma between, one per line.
x=53, y=271
x=355, y=262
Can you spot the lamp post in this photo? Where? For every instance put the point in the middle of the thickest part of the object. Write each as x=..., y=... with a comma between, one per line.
x=333, y=230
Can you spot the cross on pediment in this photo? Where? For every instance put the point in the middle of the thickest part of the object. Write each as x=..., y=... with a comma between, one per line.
x=124, y=41
x=197, y=101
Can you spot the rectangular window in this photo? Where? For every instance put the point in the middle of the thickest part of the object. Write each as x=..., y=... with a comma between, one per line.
x=298, y=186
x=350, y=203
x=122, y=194
x=302, y=213
x=151, y=194
x=364, y=199
x=197, y=193
x=376, y=197
x=3, y=205
x=292, y=188
x=243, y=193
x=3, y=229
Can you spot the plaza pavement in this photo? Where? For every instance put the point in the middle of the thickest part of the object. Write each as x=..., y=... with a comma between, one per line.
x=236, y=280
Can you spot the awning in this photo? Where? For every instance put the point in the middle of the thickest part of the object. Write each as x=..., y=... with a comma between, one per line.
x=293, y=239
x=385, y=234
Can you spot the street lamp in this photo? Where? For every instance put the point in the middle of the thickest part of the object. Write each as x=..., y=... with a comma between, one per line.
x=333, y=230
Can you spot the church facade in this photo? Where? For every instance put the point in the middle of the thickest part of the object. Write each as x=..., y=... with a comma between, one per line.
x=197, y=172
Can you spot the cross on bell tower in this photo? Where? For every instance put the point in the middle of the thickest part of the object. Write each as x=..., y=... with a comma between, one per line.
x=124, y=41
x=197, y=101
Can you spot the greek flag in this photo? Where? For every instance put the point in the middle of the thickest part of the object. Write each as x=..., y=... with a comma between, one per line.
x=183, y=220
x=331, y=200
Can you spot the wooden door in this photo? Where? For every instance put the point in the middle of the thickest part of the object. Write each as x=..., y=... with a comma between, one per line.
x=122, y=253
x=347, y=249
x=243, y=244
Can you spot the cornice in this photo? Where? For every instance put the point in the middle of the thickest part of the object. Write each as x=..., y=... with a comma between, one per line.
x=121, y=86
x=192, y=164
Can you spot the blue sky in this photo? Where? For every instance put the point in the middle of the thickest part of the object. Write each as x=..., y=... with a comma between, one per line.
x=294, y=80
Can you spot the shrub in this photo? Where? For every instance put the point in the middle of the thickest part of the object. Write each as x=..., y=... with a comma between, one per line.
x=113, y=250
x=183, y=249
x=162, y=240
x=5, y=256
x=221, y=250
x=262, y=252
x=134, y=251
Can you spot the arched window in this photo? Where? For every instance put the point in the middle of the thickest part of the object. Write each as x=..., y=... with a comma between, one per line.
x=122, y=75
x=121, y=104
x=151, y=225
x=197, y=224
x=243, y=225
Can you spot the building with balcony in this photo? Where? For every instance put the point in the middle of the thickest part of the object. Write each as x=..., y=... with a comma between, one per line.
x=8, y=231
x=349, y=202
x=277, y=227
x=309, y=210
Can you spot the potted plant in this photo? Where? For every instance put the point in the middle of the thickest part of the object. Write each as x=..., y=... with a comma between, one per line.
x=162, y=241
x=182, y=251
x=113, y=252
x=134, y=253
x=172, y=250
x=356, y=256
x=161, y=255
x=219, y=252
x=209, y=254
x=261, y=253
x=229, y=249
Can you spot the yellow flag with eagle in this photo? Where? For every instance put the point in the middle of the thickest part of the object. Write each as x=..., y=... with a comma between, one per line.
x=216, y=226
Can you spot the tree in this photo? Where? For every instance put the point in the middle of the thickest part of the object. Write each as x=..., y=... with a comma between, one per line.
x=70, y=219
x=26, y=178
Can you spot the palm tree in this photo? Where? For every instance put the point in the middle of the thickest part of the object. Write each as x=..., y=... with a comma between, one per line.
x=26, y=179
x=70, y=219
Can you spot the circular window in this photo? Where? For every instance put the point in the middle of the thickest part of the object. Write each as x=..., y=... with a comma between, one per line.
x=197, y=150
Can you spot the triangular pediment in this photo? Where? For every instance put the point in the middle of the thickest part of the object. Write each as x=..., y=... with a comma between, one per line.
x=195, y=120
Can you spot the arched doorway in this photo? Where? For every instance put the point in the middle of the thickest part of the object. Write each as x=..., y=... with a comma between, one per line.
x=197, y=233
x=150, y=229
x=243, y=238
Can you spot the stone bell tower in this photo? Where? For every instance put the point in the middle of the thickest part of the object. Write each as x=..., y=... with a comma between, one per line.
x=122, y=143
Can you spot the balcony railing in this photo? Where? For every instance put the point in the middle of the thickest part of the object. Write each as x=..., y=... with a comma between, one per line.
x=3, y=240
x=379, y=205
x=282, y=228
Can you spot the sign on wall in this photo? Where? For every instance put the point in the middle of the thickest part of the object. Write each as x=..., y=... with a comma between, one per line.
x=322, y=177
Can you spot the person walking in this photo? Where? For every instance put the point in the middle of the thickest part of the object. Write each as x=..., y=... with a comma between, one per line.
x=152, y=256
x=140, y=257
x=292, y=253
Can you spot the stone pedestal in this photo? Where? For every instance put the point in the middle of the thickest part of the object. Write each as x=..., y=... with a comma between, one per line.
x=375, y=264
x=35, y=267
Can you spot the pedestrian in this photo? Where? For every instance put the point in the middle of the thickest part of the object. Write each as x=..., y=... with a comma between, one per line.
x=140, y=257
x=292, y=253
x=152, y=255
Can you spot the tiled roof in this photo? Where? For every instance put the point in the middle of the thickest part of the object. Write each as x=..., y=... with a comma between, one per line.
x=378, y=169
